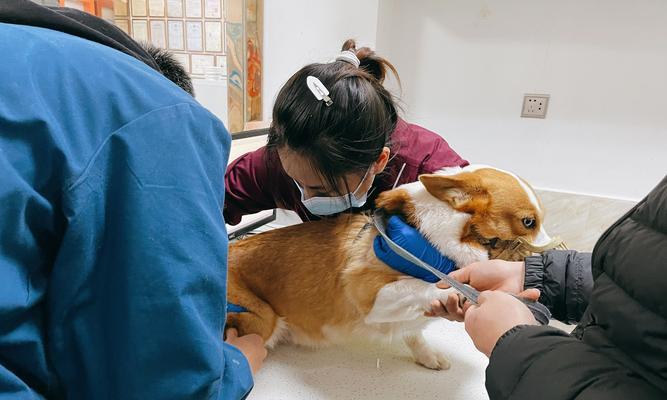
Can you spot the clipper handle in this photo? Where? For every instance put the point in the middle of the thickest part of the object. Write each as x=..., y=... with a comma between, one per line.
x=539, y=310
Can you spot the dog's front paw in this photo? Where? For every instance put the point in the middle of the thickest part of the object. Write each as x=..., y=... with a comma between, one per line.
x=432, y=359
x=425, y=354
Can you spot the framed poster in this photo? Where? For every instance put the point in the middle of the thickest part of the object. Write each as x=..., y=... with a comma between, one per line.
x=213, y=8
x=175, y=8
x=158, y=34
x=193, y=8
x=200, y=62
x=193, y=32
x=156, y=8
x=213, y=36
x=138, y=8
x=221, y=61
x=120, y=8
x=184, y=59
x=175, y=34
x=140, y=30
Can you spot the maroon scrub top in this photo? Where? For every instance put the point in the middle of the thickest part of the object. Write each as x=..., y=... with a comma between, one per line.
x=256, y=181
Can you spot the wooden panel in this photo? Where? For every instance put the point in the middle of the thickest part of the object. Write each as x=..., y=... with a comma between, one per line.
x=235, y=65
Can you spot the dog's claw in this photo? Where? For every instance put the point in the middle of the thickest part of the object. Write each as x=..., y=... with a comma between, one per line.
x=433, y=360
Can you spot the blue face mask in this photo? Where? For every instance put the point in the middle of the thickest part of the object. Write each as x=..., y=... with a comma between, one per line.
x=336, y=204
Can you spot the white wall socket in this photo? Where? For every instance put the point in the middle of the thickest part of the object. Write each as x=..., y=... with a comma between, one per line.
x=535, y=105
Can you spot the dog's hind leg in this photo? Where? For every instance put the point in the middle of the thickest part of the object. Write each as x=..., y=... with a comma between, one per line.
x=260, y=317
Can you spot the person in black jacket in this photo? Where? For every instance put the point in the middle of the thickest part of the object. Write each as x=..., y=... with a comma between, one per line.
x=618, y=296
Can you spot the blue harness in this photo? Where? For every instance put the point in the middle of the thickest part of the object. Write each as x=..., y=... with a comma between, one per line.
x=410, y=239
x=233, y=308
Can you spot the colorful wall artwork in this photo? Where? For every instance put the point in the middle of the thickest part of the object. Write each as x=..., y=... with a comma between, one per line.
x=244, y=62
x=235, y=64
x=253, y=28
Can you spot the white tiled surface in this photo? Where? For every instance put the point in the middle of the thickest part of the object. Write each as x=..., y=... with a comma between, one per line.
x=242, y=146
x=350, y=371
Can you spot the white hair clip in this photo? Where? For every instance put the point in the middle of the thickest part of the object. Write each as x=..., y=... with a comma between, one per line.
x=349, y=57
x=319, y=90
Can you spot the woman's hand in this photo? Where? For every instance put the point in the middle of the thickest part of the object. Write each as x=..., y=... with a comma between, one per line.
x=452, y=309
x=499, y=275
x=252, y=347
x=411, y=240
x=507, y=276
x=496, y=313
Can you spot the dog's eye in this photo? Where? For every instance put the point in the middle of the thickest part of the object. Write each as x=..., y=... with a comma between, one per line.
x=529, y=223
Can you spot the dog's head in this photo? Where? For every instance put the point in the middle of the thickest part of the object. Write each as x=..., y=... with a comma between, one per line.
x=479, y=207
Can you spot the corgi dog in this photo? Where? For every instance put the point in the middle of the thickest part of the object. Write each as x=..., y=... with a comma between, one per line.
x=320, y=282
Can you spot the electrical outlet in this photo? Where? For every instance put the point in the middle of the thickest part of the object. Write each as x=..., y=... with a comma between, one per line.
x=535, y=105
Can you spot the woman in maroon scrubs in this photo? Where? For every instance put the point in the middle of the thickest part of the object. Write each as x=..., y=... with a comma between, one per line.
x=335, y=143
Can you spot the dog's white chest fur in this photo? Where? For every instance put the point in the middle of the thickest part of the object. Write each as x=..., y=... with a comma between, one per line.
x=407, y=299
x=443, y=226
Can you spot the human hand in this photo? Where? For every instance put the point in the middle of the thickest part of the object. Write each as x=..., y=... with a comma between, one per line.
x=451, y=309
x=252, y=347
x=496, y=313
x=500, y=275
x=506, y=276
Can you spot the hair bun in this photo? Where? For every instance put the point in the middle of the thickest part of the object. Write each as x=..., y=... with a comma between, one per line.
x=370, y=62
x=350, y=44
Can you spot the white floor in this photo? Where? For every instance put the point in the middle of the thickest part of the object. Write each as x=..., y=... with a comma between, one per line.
x=351, y=371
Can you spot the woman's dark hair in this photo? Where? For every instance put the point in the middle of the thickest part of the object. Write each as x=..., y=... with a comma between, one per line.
x=348, y=136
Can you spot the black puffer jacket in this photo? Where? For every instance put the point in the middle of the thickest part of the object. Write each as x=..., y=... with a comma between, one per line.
x=619, y=348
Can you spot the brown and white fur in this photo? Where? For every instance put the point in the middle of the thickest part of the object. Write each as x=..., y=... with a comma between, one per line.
x=319, y=283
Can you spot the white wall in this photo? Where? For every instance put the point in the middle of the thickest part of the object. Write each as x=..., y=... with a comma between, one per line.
x=299, y=32
x=465, y=66
x=212, y=94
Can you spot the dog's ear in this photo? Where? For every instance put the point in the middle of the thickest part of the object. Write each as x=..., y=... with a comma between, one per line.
x=463, y=192
x=396, y=201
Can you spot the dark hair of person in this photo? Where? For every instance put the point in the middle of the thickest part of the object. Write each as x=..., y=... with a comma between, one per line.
x=347, y=136
x=170, y=67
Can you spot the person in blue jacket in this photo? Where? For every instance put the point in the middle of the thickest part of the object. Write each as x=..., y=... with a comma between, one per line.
x=113, y=248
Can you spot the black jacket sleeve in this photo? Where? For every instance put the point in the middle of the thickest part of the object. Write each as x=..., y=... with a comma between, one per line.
x=565, y=281
x=540, y=362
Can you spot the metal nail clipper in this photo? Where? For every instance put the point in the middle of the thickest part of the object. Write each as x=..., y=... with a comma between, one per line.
x=539, y=310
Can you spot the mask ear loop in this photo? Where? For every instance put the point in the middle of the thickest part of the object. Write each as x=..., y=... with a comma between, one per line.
x=398, y=177
x=354, y=192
